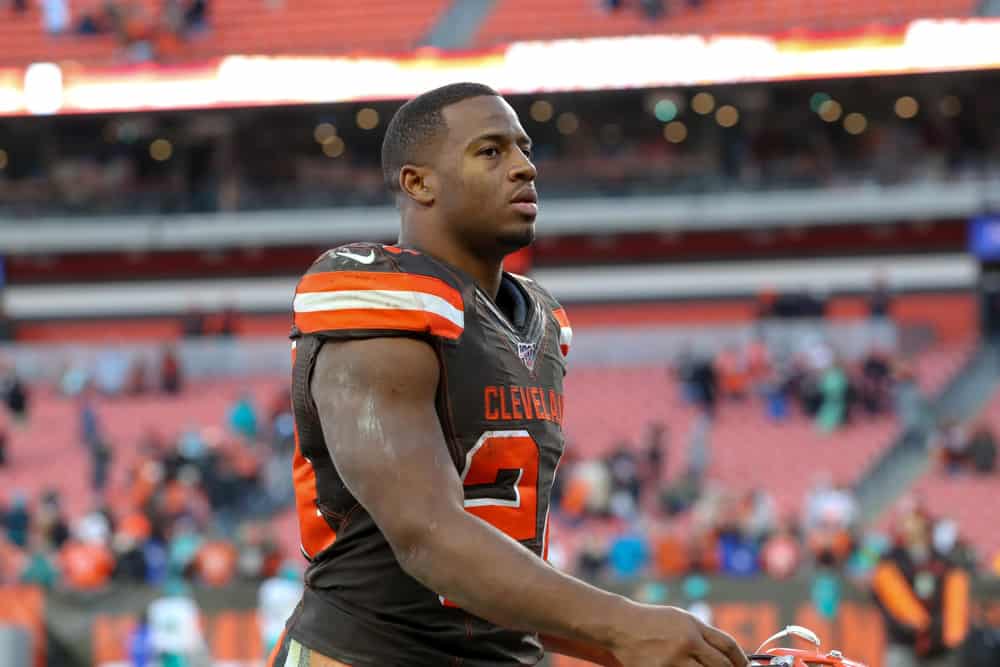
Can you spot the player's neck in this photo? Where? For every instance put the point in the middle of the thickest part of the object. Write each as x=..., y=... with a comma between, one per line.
x=486, y=273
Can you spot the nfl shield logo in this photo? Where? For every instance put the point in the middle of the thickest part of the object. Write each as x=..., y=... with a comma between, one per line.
x=527, y=353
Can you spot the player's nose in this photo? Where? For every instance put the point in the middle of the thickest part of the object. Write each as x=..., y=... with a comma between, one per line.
x=523, y=170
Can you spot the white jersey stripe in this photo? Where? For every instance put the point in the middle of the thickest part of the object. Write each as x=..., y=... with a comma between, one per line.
x=312, y=302
x=565, y=336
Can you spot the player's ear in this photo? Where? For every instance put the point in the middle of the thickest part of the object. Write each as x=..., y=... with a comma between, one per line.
x=417, y=183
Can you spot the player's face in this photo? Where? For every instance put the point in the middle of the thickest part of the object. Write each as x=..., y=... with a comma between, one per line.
x=487, y=178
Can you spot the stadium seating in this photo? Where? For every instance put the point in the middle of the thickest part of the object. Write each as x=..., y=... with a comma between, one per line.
x=553, y=19
x=606, y=406
x=47, y=452
x=245, y=27
x=964, y=497
x=392, y=26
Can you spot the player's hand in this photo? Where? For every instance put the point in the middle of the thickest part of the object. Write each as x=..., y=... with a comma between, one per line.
x=654, y=636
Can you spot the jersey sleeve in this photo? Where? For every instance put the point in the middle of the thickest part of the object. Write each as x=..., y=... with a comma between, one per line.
x=359, y=291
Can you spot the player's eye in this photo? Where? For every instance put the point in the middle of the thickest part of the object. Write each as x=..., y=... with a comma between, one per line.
x=489, y=151
x=527, y=151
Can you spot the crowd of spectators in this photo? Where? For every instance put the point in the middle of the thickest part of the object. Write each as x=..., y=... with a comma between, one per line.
x=966, y=447
x=141, y=34
x=586, y=144
x=194, y=506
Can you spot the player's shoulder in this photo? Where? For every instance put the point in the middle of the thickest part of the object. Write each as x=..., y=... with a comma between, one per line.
x=371, y=287
x=552, y=305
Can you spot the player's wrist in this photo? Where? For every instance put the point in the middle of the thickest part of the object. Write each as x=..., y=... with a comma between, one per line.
x=606, y=625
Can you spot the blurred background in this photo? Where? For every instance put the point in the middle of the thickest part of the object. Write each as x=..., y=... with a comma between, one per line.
x=775, y=225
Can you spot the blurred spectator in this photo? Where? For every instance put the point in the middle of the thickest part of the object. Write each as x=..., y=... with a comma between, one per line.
x=55, y=16
x=141, y=652
x=953, y=446
x=196, y=14
x=733, y=373
x=137, y=380
x=923, y=597
x=39, y=568
x=703, y=380
x=833, y=392
x=876, y=381
x=243, y=417
x=170, y=372
x=276, y=600
x=14, y=392
x=655, y=453
x=629, y=553
x=17, y=520
x=50, y=520
x=85, y=561
x=592, y=558
x=193, y=322
x=229, y=322
x=670, y=555
x=983, y=449
x=781, y=555
x=111, y=372
x=758, y=515
x=175, y=627
x=90, y=426
x=879, y=298
x=625, y=483
x=215, y=563
x=259, y=555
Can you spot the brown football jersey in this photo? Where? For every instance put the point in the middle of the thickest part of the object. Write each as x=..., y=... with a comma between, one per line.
x=500, y=404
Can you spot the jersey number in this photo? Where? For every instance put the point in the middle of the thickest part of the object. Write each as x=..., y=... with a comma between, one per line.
x=501, y=484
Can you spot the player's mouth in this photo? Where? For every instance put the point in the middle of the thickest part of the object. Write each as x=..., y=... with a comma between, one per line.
x=525, y=202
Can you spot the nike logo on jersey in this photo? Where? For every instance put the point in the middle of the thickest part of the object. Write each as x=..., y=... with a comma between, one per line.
x=361, y=259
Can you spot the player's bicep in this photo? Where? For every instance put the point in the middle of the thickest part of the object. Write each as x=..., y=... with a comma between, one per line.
x=376, y=402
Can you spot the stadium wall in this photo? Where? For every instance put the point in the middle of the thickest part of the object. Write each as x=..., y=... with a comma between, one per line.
x=77, y=629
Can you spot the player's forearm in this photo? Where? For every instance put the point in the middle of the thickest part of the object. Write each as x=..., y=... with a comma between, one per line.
x=487, y=574
x=581, y=650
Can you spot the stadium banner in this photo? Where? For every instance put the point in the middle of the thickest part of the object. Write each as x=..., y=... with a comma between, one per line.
x=94, y=629
x=607, y=63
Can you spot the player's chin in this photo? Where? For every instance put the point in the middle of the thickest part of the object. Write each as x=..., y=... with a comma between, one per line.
x=517, y=236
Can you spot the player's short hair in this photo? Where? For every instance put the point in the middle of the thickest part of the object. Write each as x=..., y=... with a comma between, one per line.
x=416, y=125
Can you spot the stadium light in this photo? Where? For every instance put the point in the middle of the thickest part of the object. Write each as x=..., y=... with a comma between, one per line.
x=567, y=123
x=161, y=150
x=367, y=118
x=675, y=132
x=324, y=132
x=831, y=111
x=703, y=103
x=334, y=147
x=906, y=107
x=43, y=88
x=541, y=111
x=855, y=123
x=727, y=116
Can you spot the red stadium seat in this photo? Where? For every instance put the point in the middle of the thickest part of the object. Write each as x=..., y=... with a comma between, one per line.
x=553, y=19
x=245, y=27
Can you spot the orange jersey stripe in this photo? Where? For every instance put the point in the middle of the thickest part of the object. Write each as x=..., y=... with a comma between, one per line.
x=331, y=281
x=315, y=533
x=894, y=593
x=376, y=319
x=956, y=608
x=560, y=314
